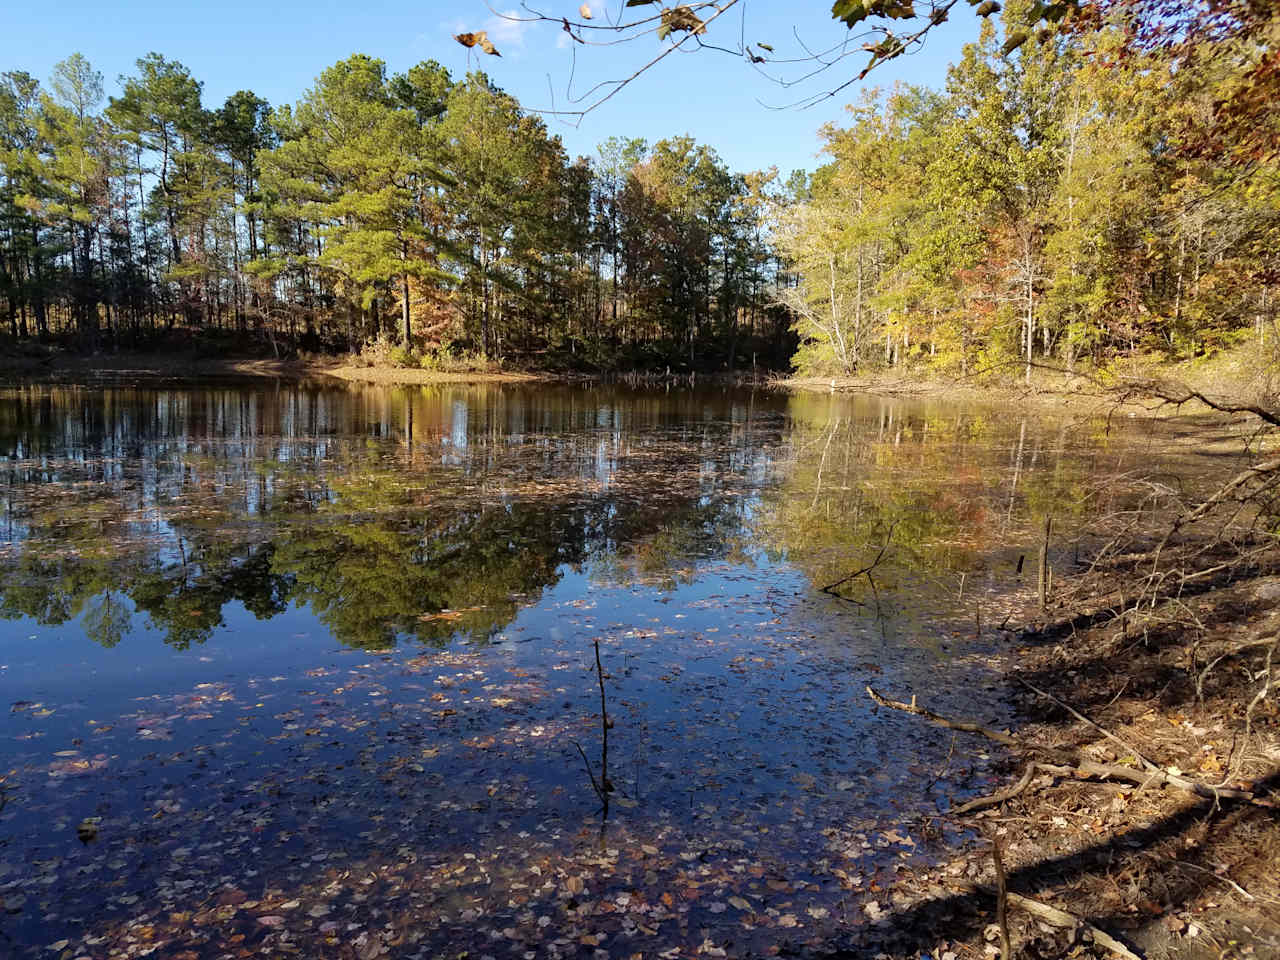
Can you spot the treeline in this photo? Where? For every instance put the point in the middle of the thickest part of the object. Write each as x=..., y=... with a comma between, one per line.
x=410, y=211
x=1077, y=198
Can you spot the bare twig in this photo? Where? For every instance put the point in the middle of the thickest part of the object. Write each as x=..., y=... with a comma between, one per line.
x=981, y=803
x=1080, y=765
x=1149, y=764
x=867, y=570
x=966, y=726
x=1217, y=876
x=1057, y=917
x=1002, y=898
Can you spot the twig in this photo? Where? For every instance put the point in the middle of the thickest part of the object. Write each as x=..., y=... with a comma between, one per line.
x=946, y=766
x=981, y=803
x=594, y=786
x=867, y=569
x=1002, y=899
x=1150, y=765
x=966, y=726
x=1057, y=917
x=1235, y=483
x=1262, y=694
x=605, y=785
x=1044, y=563
x=1217, y=876
x=1143, y=778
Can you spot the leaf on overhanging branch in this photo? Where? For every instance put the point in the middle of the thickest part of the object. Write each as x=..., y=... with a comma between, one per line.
x=1056, y=11
x=680, y=20
x=1016, y=39
x=640, y=3
x=478, y=39
x=987, y=8
x=852, y=12
x=584, y=11
x=765, y=46
x=886, y=49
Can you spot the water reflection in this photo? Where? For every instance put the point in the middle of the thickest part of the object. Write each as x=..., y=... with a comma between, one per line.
x=418, y=514
x=311, y=665
x=425, y=513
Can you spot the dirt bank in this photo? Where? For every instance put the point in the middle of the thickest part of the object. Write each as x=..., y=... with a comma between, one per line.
x=181, y=362
x=1143, y=798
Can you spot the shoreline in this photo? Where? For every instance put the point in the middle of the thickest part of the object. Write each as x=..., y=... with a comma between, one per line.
x=1076, y=396
x=187, y=364
x=1096, y=817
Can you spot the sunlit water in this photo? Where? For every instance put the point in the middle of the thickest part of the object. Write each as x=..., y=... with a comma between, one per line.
x=290, y=669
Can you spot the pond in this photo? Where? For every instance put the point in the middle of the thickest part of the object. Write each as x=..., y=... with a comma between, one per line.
x=495, y=670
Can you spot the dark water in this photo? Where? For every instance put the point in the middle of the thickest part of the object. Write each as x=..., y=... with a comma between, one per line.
x=312, y=671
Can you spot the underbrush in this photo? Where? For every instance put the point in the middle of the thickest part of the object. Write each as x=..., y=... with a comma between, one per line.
x=444, y=357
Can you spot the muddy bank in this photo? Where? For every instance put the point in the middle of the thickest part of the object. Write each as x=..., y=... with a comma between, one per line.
x=182, y=362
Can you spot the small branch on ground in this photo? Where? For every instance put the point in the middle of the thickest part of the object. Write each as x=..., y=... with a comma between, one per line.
x=1149, y=764
x=1076, y=764
x=1056, y=917
x=1002, y=898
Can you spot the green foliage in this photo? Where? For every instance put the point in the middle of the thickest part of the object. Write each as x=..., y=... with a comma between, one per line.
x=404, y=208
x=1056, y=204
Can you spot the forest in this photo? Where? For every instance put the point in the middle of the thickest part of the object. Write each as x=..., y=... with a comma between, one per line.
x=1071, y=195
x=406, y=211
x=1077, y=197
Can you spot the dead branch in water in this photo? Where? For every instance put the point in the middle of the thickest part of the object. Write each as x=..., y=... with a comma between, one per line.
x=965, y=726
x=864, y=571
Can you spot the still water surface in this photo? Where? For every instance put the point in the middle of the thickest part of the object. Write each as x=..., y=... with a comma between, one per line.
x=289, y=669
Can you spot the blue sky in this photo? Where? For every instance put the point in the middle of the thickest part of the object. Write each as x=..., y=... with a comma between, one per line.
x=277, y=47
